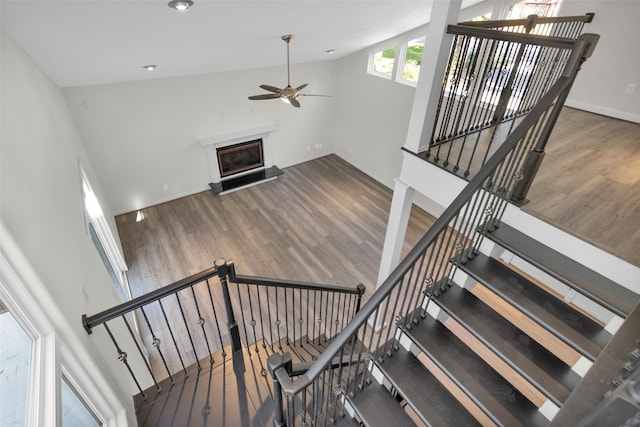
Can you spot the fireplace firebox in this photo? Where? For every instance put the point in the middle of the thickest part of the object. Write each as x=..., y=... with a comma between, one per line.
x=237, y=158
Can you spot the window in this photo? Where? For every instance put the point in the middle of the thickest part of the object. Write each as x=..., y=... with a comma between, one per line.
x=103, y=240
x=16, y=348
x=381, y=62
x=525, y=8
x=32, y=356
x=412, y=59
x=75, y=411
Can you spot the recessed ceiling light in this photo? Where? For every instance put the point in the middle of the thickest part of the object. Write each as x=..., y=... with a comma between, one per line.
x=180, y=5
x=330, y=51
x=150, y=67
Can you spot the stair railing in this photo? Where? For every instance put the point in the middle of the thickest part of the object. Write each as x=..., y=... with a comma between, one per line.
x=320, y=394
x=277, y=310
x=173, y=339
x=497, y=72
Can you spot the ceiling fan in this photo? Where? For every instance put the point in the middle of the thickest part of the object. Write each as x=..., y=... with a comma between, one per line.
x=287, y=94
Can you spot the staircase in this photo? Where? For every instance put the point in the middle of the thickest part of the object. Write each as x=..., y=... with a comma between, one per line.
x=497, y=347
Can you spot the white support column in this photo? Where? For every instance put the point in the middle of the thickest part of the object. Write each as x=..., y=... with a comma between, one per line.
x=396, y=229
x=434, y=65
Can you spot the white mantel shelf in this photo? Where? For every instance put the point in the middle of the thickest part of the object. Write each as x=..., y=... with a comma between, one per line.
x=238, y=135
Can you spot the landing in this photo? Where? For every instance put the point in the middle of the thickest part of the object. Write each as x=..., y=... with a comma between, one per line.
x=233, y=391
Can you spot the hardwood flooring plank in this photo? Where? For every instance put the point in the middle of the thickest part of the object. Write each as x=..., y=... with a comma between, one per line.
x=322, y=221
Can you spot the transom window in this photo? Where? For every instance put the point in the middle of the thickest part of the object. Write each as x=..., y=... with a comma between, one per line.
x=382, y=61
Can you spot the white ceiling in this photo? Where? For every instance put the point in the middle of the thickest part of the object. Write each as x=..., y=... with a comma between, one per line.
x=86, y=42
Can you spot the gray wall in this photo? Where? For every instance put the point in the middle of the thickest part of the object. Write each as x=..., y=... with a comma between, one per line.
x=601, y=84
x=143, y=135
x=42, y=217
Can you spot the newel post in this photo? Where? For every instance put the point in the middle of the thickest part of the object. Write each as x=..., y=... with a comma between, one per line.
x=274, y=362
x=361, y=288
x=234, y=332
x=534, y=157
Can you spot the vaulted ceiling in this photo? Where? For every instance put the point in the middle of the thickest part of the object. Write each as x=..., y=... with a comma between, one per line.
x=86, y=42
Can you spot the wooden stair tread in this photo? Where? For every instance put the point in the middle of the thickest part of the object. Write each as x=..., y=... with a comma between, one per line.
x=571, y=326
x=493, y=394
x=527, y=357
x=376, y=407
x=427, y=397
x=595, y=286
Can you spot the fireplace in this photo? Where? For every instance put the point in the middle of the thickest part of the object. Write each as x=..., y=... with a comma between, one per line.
x=241, y=157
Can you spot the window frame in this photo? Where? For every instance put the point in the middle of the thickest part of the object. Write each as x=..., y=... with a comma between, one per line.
x=95, y=218
x=402, y=60
x=50, y=356
x=371, y=62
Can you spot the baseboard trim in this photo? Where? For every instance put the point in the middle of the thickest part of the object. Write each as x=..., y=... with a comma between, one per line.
x=609, y=112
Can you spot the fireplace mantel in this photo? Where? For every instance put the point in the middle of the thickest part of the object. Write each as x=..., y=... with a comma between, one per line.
x=241, y=135
x=212, y=143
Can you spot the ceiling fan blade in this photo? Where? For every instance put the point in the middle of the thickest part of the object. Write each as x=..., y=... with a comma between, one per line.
x=299, y=88
x=294, y=102
x=271, y=88
x=265, y=96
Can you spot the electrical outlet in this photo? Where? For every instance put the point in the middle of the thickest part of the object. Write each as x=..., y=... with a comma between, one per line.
x=631, y=87
x=165, y=187
x=308, y=148
x=318, y=146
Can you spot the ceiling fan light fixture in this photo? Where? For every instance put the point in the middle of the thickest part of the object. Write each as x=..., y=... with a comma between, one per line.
x=285, y=100
x=180, y=5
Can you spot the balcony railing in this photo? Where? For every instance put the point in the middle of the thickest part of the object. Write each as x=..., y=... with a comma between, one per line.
x=318, y=394
x=497, y=72
x=186, y=322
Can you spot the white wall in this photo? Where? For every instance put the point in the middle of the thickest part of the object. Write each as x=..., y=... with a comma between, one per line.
x=143, y=135
x=615, y=63
x=42, y=218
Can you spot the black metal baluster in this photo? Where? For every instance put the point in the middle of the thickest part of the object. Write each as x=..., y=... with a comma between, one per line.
x=215, y=316
x=303, y=411
x=186, y=325
x=308, y=310
x=314, y=397
x=122, y=356
x=264, y=338
x=332, y=315
x=202, y=322
x=301, y=319
x=252, y=322
x=277, y=322
x=270, y=322
x=326, y=315
x=173, y=338
x=142, y=355
x=286, y=316
x=315, y=314
x=156, y=344
x=244, y=322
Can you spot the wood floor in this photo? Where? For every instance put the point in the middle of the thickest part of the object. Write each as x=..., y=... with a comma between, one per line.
x=589, y=182
x=322, y=221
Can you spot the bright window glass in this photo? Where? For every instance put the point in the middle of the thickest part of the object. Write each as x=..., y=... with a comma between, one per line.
x=523, y=9
x=383, y=61
x=412, y=60
x=15, y=370
x=75, y=412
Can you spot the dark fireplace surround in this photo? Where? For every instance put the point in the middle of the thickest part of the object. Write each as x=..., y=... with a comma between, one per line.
x=240, y=159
